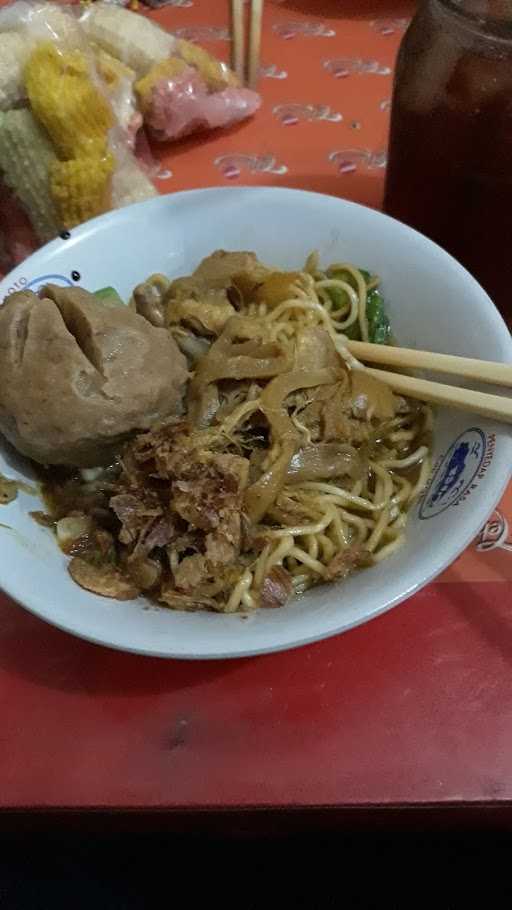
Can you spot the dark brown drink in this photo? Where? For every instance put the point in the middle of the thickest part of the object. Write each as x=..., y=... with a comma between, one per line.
x=450, y=154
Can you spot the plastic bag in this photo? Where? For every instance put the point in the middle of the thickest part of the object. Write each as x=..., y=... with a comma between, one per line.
x=76, y=86
x=177, y=104
x=180, y=88
x=68, y=121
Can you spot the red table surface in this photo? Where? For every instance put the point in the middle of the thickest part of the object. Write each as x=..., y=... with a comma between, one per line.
x=414, y=708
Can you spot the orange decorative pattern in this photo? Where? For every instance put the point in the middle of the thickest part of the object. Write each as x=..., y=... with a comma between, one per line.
x=326, y=74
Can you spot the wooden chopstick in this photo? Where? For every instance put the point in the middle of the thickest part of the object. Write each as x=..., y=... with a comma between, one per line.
x=464, y=367
x=493, y=406
x=238, y=39
x=253, y=64
x=247, y=72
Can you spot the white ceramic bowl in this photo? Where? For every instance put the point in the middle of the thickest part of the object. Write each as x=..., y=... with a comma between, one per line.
x=434, y=304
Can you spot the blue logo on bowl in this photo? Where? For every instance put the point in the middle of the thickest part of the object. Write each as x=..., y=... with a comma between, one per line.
x=456, y=473
x=37, y=283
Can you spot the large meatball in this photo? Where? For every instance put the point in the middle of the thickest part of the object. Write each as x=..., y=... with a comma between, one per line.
x=76, y=376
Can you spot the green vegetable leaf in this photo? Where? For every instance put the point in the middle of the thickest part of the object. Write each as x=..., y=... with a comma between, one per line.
x=379, y=329
x=338, y=296
x=347, y=276
x=342, y=275
x=109, y=297
x=353, y=332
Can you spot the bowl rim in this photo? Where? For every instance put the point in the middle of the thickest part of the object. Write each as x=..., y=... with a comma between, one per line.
x=39, y=605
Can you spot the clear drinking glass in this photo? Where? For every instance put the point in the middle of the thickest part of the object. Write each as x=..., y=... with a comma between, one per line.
x=450, y=153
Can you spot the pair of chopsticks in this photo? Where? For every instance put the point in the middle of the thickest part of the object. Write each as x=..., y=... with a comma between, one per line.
x=486, y=405
x=247, y=71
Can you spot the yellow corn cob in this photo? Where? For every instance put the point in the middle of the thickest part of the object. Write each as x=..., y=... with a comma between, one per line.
x=66, y=101
x=217, y=75
x=13, y=54
x=132, y=38
x=167, y=69
x=130, y=184
x=77, y=117
x=81, y=188
x=26, y=156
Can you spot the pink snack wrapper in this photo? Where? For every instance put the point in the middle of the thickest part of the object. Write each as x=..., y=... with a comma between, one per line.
x=184, y=105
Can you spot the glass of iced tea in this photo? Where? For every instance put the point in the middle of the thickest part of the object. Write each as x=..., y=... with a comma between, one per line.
x=450, y=153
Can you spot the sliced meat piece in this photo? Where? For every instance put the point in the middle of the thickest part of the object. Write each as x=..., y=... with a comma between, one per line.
x=346, y=561
x=276, y=589
x=190, y=603
x=165, y=447
x=233, y=466
x=211, y=490
x=196, y=503
x=191, y=573
x=223, y=545
x=222, y=548
x=176, y=494
x=161, y=533
x=287, y=511
x=104, y=580
x=156, y=533
x=135, y=514
x=145, y=523
x=309, y=405
x=338, y=424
